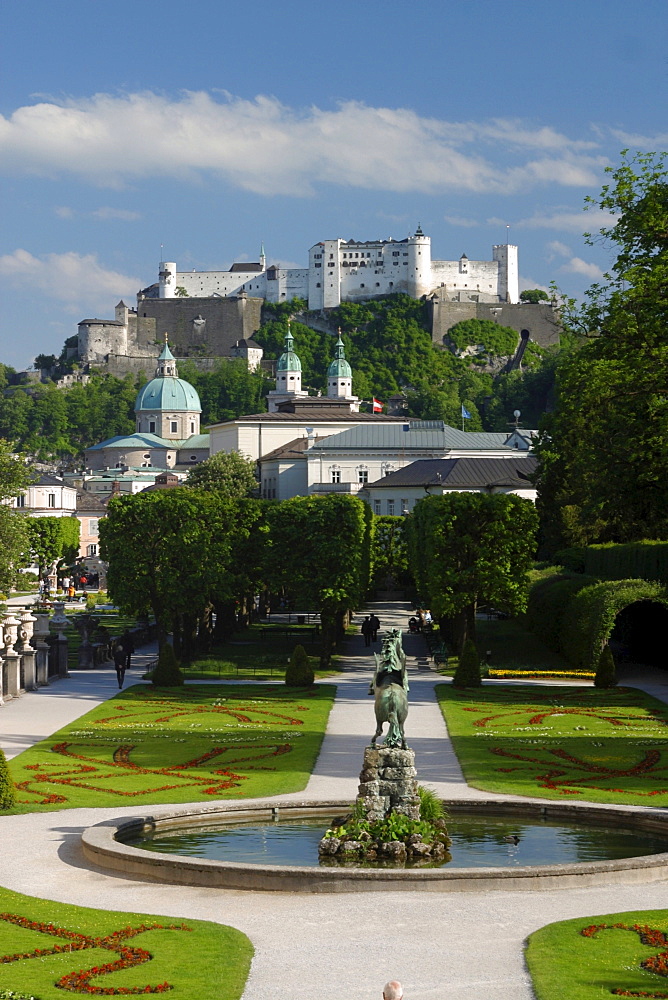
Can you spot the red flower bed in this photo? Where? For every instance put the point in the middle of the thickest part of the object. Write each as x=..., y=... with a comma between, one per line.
x=80, y=981
x=656, y=964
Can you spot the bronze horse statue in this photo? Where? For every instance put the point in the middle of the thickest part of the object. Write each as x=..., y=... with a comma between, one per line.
x=390, y=689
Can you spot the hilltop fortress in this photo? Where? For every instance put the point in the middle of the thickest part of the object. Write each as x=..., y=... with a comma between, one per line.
x=212, y=314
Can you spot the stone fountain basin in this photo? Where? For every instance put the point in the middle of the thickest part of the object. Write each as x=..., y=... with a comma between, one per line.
x=103, y=846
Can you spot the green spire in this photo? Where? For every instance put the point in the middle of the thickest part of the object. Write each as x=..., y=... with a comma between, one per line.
x=288, y=361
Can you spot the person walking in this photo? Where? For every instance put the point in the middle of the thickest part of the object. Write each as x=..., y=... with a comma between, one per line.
x=128, y=646
x=120, y=657
x=367, y=630
x=375, y=625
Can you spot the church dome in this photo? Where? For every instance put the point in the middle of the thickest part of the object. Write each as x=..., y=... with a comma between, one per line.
x=339, y=368
x=167, y=391
x=288, y=361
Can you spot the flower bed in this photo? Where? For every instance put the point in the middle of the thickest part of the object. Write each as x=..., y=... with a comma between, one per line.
x=52, y=949
x=603, y=746
x=587, y=961
x=178, y=746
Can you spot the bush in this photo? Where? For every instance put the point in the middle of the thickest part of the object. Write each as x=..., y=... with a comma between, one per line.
x=167, y=673
x=606, y=673
x=299, y=672
x=467, y=673
x=495, y=339
x=431, y=807
x=7, y=790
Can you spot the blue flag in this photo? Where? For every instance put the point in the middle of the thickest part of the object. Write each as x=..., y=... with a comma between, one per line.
x=465, y=413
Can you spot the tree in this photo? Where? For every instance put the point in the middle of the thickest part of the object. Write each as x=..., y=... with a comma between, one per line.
x=181, y=292
x=606, y=673
x=603, y=452
x=173, y=553
x=321, y=557
x=534, y=296
x=229, y=474
x=14, y=478
x=467, y=548
x=51, y=540
x=467, y=673
x=389, y=553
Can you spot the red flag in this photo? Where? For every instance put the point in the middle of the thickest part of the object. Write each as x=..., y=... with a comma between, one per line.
x=377, y=406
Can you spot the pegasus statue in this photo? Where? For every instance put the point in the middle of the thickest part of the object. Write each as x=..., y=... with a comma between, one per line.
x=390, y=690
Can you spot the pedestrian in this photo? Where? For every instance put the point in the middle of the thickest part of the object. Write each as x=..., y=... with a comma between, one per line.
x=128, y=646
x=375, y=625
x=65, y=583
x=120, y=657
x=367, y=630
x=72, y=593
x=393, y=990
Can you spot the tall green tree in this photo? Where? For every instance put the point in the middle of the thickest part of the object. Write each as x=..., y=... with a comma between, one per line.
x=229, y=474
x=321, y=556
x=604, y=451
x=53, y=540
x=471, y=548
x=15, y=476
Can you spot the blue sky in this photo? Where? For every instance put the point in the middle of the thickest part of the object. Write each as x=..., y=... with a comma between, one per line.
x=212, y=126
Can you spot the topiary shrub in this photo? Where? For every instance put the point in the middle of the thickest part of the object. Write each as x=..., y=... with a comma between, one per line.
x=7, y=790
x=467, y=674
x=167, y=673
x=299, y=672
x=606, y=672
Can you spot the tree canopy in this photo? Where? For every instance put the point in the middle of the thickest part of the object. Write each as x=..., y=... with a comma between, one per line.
x=229, y=474
x=14, y=478
x=468, y=548
x=604, y=451
x=51, y=540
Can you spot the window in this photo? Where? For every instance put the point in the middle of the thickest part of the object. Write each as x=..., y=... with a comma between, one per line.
x=193, y=458
x=192, y=426
x=376, y=506
x=91, y=550
x=21, y=501
x=336, y=476
x=395, y=253
x=404, y=505
x=317, y=265
x=362, y=476
x=147, y=454
x=331, y=264
x=390, y=507
x=151, y=426
x=173, y=427
x=93, y=525
x=51, y=499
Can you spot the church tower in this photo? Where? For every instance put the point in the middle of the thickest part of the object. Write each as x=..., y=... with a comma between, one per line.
x=340, y=378
x=288, y=376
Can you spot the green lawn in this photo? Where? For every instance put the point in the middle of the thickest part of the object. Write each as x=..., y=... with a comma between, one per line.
x=630, y=959
x=196, y=744
x=561, y=742
x=50, y=950
x=260, y=652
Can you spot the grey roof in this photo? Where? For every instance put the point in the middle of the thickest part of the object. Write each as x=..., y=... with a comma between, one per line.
x=463, y=472
x=89, y=504
x=148, y=440
x=312, y=415
x=423, y=435
x=293, y=449
x=245, y=267
x=46, y=480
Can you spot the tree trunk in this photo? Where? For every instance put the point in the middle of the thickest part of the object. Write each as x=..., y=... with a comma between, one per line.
x=462, y=627
x=328, y=637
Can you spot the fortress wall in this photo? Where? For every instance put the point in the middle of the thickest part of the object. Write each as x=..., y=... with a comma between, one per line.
x=542, y=321
x=222, y=323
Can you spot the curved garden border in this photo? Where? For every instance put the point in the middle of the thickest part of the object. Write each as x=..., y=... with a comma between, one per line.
x=103, y=846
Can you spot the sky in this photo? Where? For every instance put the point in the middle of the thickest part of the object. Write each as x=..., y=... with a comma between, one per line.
x=132, y=132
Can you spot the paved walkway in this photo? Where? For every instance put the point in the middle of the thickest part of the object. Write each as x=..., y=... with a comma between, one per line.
x=467, y=946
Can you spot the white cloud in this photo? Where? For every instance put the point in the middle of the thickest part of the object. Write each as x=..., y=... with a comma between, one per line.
x=115, y=214
x=572, y=222
x=78, y=280
x=104, y=214
x=266, y=147
x=636, y=141
x=576, y=265
x=560, y=249
x=530, y=283
x=457, y=220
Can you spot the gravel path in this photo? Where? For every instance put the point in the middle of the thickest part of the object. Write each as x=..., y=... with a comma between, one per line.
x=463, y=945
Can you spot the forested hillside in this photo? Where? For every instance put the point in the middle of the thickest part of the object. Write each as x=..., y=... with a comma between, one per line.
x=389, y=347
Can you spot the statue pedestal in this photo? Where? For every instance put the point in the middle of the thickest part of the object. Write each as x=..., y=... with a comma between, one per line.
x=388, y=783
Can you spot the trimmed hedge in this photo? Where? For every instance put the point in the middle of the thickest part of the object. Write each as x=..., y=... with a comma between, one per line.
x=299, y=672
x=576, y=615
x=645, y=560
x=467, y=674
x=7, y=790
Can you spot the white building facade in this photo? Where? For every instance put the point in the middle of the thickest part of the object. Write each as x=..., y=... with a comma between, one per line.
x=353, y=271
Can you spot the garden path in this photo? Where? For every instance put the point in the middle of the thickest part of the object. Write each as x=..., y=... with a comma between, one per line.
x=467, y=946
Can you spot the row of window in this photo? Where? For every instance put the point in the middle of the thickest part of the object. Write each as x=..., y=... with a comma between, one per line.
x=390, y=507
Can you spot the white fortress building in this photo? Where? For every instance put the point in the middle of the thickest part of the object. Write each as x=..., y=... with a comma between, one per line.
x=352, y=271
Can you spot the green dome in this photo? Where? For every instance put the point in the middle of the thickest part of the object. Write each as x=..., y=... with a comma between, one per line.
x=168, y=393
x=288, y=361
x=339, y=368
